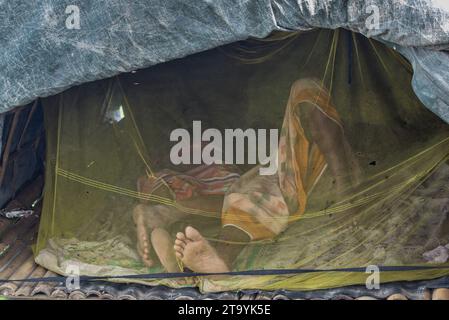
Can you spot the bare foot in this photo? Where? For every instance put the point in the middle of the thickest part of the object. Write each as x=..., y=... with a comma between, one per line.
x=197, y=254
x=162, y=244
x=147, y=218
x=143, y=245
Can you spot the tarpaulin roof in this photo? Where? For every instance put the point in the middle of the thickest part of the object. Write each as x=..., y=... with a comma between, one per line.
x=40, y=56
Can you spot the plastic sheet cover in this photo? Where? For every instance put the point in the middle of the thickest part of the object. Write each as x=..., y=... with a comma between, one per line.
x=41, y=56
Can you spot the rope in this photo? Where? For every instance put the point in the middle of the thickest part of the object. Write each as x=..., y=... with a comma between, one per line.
x=261, y=272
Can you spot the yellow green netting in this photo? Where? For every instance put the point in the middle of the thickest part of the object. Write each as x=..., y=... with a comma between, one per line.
x=108, y=157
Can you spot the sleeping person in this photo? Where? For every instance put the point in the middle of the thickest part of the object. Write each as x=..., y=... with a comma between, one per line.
x=200, y=190
x=254, y=206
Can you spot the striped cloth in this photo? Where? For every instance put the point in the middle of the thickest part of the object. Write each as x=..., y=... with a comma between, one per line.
x=202, y=180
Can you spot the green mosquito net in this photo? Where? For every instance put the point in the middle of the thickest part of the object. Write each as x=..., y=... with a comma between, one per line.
x=291, y=162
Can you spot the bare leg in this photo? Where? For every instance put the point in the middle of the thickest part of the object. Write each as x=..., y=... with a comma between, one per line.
x=232, y=242
x=143, y=244
x=330, y=139
x=163, y=246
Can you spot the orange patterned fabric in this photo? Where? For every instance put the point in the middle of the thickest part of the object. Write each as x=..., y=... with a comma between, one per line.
x=261, y=206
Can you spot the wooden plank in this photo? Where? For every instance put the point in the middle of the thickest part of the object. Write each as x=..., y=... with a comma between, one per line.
x=15, y=262
x=22, y=271
x=15, y=238
x=27, y=287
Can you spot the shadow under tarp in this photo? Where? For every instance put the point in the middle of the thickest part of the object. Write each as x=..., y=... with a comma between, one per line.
x=102, y=137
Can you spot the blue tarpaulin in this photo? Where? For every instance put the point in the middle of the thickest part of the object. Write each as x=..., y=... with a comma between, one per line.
x=41, y=55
